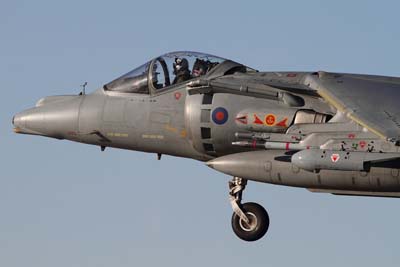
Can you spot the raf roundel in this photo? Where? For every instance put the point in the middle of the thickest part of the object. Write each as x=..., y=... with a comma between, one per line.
x=220, y=115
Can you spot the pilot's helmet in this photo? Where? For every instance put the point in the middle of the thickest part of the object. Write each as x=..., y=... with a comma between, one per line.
x=199, y=68
x=181, y=64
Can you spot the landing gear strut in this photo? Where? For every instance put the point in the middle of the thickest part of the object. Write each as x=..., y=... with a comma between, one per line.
x=250, y=221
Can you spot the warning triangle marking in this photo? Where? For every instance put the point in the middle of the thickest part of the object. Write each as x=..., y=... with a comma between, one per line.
x=282, y=123
x=257, y=120
x=242, y=119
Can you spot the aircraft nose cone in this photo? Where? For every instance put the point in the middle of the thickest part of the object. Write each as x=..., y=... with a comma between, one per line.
x=28, y=122
x=53, y=119
x=17, y=122
x=14, y=121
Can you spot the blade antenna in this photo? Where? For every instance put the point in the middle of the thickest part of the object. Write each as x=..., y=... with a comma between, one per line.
x=83, y=88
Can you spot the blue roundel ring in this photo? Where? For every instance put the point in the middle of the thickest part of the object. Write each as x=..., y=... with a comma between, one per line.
x=219, y=115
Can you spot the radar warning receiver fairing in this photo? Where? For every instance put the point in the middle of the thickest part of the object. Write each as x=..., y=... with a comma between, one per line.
x=326, y=132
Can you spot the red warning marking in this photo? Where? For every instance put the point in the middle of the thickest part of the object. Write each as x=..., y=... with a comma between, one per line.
x=270, y=119
x=254, y=144
x=177, y=95
x=257, y=120
x=351, y=135
x=335, y=157
x=242, y=119
x=362, y=144
x=291, y=75
x=287, y=145
x=282, y=123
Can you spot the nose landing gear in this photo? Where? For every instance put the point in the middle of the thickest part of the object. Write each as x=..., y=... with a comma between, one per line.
x=250, y=221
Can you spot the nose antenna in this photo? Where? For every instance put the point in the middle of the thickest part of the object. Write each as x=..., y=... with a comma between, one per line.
x=83, y=88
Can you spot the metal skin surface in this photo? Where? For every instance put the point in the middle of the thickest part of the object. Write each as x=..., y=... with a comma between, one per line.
x=275, y=167
x=318, y=130
x=136, y=122
x=170, y=122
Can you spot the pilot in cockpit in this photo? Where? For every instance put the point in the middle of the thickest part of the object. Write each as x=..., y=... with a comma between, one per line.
x=199, y=68
x=181, y=70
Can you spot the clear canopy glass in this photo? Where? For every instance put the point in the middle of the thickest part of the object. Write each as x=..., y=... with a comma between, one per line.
x=164, y=71
x=134, y=81
x=177, y=67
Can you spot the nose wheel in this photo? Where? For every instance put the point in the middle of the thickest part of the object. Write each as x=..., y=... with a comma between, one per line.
x=250, y=221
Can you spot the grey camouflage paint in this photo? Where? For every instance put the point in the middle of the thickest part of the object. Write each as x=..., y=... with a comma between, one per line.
x=178, y=121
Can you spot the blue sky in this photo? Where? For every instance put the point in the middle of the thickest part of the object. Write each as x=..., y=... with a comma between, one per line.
x=66, y=204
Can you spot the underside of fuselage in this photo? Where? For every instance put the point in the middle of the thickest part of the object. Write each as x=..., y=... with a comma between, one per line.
x=318, y=131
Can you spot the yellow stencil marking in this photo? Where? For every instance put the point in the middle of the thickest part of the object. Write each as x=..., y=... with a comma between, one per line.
x=183, y=133
x=171, y=129
x=152, y=136
x=342, y=108
x=118, y=134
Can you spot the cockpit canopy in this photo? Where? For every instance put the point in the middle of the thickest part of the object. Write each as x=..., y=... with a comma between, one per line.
x=172, y=69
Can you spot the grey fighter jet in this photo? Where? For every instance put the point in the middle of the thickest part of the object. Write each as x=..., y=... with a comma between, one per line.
x=326, y=132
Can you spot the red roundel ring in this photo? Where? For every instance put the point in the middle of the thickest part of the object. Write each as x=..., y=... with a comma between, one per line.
x=219, y=115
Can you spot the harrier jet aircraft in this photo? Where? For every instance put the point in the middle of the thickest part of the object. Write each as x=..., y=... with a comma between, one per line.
x=326, y=132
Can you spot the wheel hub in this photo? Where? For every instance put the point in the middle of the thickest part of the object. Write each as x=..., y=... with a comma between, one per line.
x=251, y=225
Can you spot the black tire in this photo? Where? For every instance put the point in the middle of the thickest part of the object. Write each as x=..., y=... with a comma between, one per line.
x=259, y=221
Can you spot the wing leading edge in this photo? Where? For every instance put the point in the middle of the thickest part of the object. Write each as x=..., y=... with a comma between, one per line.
x=371, y=101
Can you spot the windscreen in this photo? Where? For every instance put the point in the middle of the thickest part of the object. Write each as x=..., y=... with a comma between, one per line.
x=134, y=81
